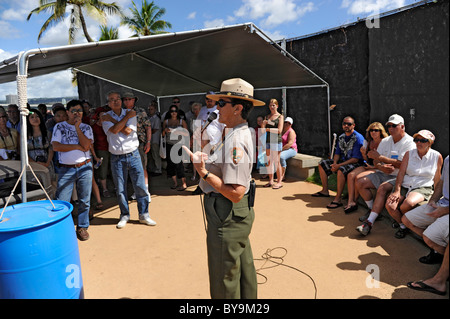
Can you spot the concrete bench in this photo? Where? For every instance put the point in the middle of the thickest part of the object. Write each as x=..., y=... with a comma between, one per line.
x=302, y=166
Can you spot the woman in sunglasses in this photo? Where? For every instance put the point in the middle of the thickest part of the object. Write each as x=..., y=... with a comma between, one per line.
x=419, y=171
x=375, y=132
x=172, y=124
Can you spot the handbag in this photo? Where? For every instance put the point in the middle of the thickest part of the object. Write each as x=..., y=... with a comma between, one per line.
x=162, y=147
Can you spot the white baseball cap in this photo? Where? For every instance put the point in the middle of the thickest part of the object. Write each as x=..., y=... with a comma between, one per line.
x=395, y=119
x=289, y=120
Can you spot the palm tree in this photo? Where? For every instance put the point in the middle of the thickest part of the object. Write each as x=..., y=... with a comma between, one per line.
x=108, y=33
x=147, y=21
x=94, y=8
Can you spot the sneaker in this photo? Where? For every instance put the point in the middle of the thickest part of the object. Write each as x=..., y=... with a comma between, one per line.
x=432, y=258
x=365, y=228
x=122, y=222
x=82, y=234
x=133, y=197
x=147, y=221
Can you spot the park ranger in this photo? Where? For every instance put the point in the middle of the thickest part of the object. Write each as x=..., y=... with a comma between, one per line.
x=229, y=195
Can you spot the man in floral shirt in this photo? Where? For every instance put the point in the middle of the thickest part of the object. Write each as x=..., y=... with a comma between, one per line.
x=144, y=129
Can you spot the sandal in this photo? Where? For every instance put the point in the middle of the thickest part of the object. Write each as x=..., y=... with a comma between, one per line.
x=99, y=206
x=268, y=185
x=173, y=187
x=333, y=205
x=319, y=194
x=277, y=187
x=351, y=208
x=424, y=287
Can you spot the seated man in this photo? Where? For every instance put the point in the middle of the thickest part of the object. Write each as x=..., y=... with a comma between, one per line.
x=347, y=157
x=387, y=160
x=431, y=220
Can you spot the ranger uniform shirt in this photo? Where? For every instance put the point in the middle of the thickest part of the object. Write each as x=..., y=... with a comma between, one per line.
x=231, y=159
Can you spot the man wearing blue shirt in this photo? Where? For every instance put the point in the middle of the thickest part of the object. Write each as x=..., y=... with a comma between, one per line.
x=346, y=158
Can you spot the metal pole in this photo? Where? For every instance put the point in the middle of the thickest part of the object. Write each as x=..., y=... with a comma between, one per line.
x=22, y=68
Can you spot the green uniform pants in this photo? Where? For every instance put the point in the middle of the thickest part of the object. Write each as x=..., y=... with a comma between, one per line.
x=232, y=274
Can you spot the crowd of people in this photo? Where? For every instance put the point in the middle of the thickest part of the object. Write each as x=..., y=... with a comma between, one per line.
x=81, y=145
x=400, y=173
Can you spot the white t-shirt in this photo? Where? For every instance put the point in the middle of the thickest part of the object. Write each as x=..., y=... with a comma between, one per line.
x=66, y=133
x=388, y=148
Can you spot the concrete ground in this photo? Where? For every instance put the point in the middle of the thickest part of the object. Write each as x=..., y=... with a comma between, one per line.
x=302, y=250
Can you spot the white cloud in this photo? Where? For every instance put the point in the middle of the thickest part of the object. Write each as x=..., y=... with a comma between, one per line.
x=370, y=7
x=214, y=23
x=7, y=31
x=273, y=12
x=18, y=10
x=192, y=15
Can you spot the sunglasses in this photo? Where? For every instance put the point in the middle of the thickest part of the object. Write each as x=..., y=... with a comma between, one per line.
x=421, y=140
x=76, y=111
x=222, y=103
x=173, y=111
x=374, y=130
x=392, y=125
x=176, y=102
x=347, y=124
x=3, y=117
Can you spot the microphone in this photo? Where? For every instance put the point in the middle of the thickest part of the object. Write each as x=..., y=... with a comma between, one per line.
x=211, y=118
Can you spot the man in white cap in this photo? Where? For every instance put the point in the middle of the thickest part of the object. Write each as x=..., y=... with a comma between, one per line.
x=387, y=160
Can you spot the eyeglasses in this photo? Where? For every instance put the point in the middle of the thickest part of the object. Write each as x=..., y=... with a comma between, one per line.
x=347, y=124
x=421, y=140
x=176, y=102
x=3, y=117
x=374, y=130
x=222, y=103
x=114, y=100
x=76, y=111
x=392, y=125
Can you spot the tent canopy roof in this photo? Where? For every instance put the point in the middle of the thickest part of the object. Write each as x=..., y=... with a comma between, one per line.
x=175, y=63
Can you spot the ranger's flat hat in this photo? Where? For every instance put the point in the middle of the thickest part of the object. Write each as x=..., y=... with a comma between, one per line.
x=236, y=88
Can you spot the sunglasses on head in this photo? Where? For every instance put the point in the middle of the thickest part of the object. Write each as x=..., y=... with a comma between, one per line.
x=392, y=125
x=421, y=140
x=347, y=124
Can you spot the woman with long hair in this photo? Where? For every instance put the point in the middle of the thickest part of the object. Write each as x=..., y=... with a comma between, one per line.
x=375, y=132
x=273, y=124
x=38, y=143
x=9, y=138
x=173, y=122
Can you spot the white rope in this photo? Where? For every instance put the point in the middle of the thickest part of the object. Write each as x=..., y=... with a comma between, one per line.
x=17, y=183
x=22, y=87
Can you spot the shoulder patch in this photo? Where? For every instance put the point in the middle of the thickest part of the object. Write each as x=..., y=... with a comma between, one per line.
x=237, y=154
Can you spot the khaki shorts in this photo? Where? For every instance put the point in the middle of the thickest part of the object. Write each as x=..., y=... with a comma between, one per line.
x=426, y=192
x=143, y=155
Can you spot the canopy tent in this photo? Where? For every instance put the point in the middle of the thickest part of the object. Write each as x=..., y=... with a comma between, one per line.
x=168, y=64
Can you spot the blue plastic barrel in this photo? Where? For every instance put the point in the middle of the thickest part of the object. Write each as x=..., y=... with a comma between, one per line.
x=39, y=257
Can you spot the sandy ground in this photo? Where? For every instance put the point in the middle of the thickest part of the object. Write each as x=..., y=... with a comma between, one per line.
x=322, y=254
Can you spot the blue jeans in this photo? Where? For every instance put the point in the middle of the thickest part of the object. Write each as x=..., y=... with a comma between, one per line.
x=82, y=177
x=285, y=155
x=121, y=166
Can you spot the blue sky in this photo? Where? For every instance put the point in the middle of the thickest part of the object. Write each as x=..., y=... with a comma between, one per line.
x=277, y=18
